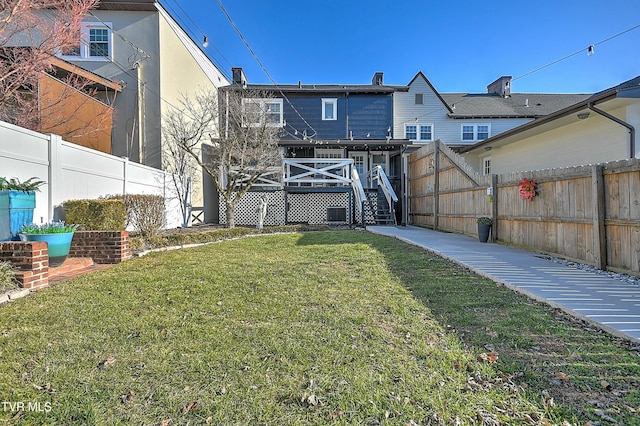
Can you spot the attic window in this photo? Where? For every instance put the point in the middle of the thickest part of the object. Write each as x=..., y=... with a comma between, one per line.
x=329, y=109
x=419, y=99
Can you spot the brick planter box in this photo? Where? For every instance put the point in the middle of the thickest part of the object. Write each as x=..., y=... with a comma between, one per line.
x=31, y=259
x=104, y=247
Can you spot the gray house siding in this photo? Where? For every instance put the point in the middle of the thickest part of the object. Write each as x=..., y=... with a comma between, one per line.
x=133, y=62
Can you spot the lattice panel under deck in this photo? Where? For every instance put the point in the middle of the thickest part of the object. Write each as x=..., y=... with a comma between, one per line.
x=247, y=209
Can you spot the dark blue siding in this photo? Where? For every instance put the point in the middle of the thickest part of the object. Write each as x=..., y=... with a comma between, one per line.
x=364, y=113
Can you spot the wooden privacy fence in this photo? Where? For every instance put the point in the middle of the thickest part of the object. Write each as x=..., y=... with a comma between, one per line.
x=589, y=214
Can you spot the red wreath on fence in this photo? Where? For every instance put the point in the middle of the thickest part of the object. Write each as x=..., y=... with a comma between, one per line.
x=527, y=189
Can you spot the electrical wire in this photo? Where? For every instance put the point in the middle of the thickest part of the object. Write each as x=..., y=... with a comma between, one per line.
x=264, y=69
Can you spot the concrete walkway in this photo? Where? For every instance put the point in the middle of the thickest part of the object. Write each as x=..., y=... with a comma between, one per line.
x=609, y=303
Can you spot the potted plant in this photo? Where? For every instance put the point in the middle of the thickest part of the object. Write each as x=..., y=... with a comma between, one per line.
x=17, y=201
x=484, y=228
x=57, y=235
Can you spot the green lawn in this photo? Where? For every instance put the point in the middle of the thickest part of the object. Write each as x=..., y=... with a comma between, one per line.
x=318, y=328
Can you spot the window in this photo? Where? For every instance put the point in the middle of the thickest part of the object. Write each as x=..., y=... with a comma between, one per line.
x=475, y=132
x=98, y=42
x=258, y=111
x=95, y=43
x=468, y=133
x=419, y=132
x=425, y=133
x=486, y=165
x=329, y=109
x=419, y=99
x=483, y=132
x=411, y=132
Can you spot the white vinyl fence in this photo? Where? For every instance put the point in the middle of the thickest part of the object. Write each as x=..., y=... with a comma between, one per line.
x=73, y=172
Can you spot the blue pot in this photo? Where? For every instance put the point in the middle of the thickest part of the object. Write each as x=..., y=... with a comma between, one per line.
x=16, y=209
x=59, y=245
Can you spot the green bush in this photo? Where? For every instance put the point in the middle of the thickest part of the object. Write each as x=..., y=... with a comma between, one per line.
x=97, y=215
x=7, y=276
x=145, y=213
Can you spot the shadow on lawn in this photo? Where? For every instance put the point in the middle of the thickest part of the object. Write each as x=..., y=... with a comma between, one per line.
x=578, y=365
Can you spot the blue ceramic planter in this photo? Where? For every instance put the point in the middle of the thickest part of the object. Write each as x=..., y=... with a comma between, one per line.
x=16, y=209
x=59, y=245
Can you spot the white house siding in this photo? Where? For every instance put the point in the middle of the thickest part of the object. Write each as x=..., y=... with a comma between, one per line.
x=591, y=141
x=405, y=111
x=435, y=112
x=633, y=118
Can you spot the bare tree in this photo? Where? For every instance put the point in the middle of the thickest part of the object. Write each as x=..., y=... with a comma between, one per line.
x=180, y=164
x=242, y=137
x=31, y=32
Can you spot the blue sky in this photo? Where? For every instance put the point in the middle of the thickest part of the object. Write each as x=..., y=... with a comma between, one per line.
x=460, y=46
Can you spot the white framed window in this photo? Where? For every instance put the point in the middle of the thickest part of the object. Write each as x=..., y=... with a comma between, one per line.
x=259, y=110
x=475, y=132
x=95, y=44
x=411, y=132
x=329, y=109
x=426, y=132
x=486, y=165
x=419, y=132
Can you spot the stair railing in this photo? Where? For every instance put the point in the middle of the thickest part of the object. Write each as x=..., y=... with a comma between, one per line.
x=378, y=174
x=358, y=192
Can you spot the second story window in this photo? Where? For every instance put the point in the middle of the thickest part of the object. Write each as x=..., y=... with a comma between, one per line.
x=419, y=99
x=475, y=132
x=426, y=133
x=411, y=132
x=95, y=43
x=329, y=108
x=258, y=111
x=419, y=132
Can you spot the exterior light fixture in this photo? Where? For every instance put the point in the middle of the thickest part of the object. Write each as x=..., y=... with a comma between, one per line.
x=205, y=41
x=583, y=115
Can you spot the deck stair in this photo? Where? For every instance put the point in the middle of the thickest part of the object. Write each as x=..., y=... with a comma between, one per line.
x=376, y=207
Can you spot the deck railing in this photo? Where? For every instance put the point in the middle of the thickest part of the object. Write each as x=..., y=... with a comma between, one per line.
x=317, y=171
x=378, y=175
x=358, y=193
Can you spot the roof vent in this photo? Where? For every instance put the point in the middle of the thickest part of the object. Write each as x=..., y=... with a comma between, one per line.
x=378, y=79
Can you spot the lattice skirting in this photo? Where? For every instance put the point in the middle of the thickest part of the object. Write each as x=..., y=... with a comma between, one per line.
x=312, y=208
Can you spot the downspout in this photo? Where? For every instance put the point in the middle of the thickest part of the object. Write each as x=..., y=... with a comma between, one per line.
x=632, y=130
x=141, y=117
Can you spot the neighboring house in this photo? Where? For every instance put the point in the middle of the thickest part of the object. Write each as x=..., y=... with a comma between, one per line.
x=327, y=130
x=82, y=117
x=597, y=129
x=422, y=115
x=140, y=45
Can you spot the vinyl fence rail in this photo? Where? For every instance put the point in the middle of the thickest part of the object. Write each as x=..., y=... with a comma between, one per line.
x=74, y=172
x=589, y=214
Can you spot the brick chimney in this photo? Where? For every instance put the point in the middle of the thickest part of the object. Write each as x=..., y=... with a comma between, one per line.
x=501, y=86
x=239, y=77
x=378, y=79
